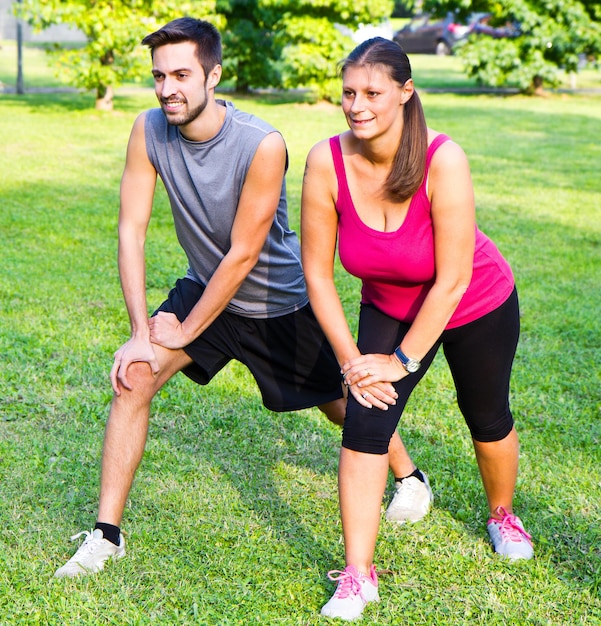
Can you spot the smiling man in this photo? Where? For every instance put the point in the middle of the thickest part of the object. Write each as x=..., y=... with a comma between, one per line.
x=243, y=296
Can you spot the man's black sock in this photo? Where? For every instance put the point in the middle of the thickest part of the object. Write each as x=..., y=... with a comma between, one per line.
x=111, y=533
x=416, y=472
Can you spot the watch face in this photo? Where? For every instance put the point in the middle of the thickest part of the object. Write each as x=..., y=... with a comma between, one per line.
x=412, y=366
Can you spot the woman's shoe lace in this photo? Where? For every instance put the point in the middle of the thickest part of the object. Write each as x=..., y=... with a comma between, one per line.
x=511, y=529
x=349, y=583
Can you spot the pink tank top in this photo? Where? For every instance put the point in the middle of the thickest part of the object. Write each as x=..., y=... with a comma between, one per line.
x=397, y=268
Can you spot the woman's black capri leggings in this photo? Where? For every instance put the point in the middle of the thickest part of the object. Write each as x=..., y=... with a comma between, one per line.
x=480, y=356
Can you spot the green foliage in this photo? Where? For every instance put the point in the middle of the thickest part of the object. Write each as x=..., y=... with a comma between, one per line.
x=267, y=43
x=402, y=8
x=312, y=63
x=292, y=43
x=311, y=44
x=499, y=63
x=248, y=44
x=113, y=29
x=555, y=34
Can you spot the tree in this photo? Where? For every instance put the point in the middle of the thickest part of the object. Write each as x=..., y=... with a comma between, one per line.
x=552, y=34
x=113, y=29
x=292, y=43
x=248, y=42
x=312, y=44
x=267, y=43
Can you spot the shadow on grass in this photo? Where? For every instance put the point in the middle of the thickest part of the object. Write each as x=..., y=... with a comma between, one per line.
x=56, y=101
x=71, y=101
x=266, y=458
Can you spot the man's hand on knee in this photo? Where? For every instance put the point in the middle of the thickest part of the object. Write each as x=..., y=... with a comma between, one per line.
x=133, y=351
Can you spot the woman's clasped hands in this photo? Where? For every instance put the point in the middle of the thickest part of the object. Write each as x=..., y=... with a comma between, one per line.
x=369, y=377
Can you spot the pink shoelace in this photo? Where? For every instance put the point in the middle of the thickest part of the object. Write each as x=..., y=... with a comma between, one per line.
x=349, y=582
x=511, y=529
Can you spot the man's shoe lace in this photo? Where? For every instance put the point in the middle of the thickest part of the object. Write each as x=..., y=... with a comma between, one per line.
x=89, y=545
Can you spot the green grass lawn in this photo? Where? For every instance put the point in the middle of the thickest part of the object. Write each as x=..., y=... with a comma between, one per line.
x=233, y=517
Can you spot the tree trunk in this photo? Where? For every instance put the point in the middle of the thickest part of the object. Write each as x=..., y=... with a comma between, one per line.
x=242, y=84
x=104, y=98
x=537, y=86
x=104, y=93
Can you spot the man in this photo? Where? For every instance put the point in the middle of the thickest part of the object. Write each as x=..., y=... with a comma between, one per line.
x=244, y=294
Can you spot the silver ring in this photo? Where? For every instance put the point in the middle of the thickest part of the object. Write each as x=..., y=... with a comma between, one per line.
x=364, y=396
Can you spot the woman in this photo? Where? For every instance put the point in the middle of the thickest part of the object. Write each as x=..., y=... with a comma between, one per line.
x=398, y=198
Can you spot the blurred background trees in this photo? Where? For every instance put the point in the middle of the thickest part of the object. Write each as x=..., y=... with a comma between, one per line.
x=113, y=31
x=299, y=43
x=267, y=43
x=552, y=34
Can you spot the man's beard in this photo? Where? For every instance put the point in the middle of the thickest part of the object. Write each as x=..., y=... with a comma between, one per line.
x=187, y=116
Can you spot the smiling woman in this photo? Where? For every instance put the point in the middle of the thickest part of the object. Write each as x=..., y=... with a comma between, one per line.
x=397, y=199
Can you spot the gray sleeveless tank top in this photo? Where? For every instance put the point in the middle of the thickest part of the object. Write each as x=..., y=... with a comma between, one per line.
x=204, y=181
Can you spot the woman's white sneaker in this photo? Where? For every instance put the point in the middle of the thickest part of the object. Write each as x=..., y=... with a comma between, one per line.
x=354, y=591
x=509, y=537
x=91, y=556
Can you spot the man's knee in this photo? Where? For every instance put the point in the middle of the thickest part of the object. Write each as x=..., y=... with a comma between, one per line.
x=142, y=382
x=335, y=410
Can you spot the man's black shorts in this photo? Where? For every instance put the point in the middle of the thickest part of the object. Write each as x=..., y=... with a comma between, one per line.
x=289, y=356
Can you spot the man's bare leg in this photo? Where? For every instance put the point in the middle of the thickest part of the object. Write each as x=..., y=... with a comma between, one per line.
x=126, y=430
x=124, y=442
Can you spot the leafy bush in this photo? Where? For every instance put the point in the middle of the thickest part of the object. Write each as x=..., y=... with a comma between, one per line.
x=499, y=63
x=312, y=62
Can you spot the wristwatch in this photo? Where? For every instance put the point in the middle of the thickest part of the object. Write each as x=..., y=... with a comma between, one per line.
x=411, y=365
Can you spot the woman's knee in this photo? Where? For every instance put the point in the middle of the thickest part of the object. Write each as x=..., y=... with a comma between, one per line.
x=492, y=430
x=363, y=440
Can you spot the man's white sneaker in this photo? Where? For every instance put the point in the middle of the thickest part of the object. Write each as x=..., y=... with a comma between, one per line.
x=509, y=537
x=91, y=556
x=354, y=591
x=411, y=500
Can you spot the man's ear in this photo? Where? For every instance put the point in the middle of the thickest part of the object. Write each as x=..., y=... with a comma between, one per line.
x=214, y=77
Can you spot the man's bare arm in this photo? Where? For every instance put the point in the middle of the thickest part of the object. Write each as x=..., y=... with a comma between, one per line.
x=137, y=192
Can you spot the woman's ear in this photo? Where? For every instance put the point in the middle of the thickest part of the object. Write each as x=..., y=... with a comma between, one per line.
x=407, y=90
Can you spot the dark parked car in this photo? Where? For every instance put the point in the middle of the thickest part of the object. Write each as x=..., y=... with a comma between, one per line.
x=425, y=34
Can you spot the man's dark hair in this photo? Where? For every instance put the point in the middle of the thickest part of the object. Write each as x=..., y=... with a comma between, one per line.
x=202, y=33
